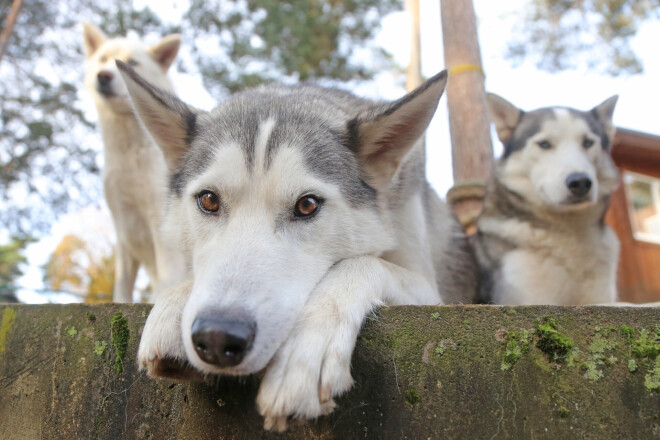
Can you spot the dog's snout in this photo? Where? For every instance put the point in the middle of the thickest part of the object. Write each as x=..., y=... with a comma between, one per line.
x=578, y=184
x=222, y=341
x=104, y=78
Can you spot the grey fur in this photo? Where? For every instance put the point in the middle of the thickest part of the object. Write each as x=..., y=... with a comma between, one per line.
x=530, y=123
x=317, y=116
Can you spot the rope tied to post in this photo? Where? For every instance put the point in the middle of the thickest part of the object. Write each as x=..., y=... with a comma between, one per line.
x=466, y=198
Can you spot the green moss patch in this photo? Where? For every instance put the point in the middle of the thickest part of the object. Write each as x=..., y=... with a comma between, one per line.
x=554, y=344
x=119, y=338
x=99, y=347
x=598, y=357
x=8, y=317
x=516, y=346
x=652, y=379
x=412, y=396
x=648, y=344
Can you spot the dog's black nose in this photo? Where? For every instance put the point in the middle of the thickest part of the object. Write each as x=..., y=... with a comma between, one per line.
x=579, y=184
x=104, y=77
x=222, y=341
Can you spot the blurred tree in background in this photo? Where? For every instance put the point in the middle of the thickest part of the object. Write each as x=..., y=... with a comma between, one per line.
x=562, y=34
x=11, y=259
x=265, y=40
x=50, y=150
x=74, y=268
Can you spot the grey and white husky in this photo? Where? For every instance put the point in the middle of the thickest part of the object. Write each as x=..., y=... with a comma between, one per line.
x=541, y=237
x=300, y=209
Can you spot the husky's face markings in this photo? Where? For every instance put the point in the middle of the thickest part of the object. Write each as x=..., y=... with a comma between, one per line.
x=268, y=192
x=260, y=252
x=556, y=157
x=102, y=77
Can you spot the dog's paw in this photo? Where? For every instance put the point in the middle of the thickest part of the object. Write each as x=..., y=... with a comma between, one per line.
x=311, y=368
x=161, y=353
x=162, y=363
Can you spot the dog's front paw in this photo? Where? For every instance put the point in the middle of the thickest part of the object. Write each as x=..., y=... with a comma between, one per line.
x=162, y=356
x=161, y=353
x=311, y=368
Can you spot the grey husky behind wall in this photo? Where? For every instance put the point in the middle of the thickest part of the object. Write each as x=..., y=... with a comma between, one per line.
x=541, y=237
x=301, y=209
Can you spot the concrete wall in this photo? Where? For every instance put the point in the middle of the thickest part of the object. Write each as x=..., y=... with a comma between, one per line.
x=426, y=372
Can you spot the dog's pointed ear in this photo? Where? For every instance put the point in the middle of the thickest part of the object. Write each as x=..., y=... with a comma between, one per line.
x=164, y=52
x=384, y=136
x=604, y=113
x=171, y=122
x=93, y=38
x=504, y=115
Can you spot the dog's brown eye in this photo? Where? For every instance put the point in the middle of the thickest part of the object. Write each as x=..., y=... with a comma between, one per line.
x=545, y=145
x=586, y=143
x=306, y=206
x=208, y=202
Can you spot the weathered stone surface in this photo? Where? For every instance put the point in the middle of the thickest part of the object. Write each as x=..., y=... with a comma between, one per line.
x=421, y=372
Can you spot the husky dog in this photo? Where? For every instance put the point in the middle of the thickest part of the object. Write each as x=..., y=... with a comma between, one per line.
x=301, y=209
x=134, y=174
x=542, y=238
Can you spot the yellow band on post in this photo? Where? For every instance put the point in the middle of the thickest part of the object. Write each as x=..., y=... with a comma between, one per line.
x=466, y=68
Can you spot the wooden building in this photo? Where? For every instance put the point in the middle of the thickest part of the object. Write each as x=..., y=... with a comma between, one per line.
x=635, y=215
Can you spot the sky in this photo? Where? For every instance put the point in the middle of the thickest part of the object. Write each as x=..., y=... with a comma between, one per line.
x=525, y=86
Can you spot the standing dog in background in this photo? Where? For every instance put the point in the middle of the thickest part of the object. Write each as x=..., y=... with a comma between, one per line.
x=134, y=174
x=301, y=209
x=542, y=237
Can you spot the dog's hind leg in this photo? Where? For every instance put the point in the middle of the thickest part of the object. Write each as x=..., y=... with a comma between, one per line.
x=126, y=268
x=313, y=364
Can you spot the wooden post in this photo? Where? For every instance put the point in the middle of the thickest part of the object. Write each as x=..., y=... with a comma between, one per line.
x=469, y=124
x=414, y=71
x=9, y=26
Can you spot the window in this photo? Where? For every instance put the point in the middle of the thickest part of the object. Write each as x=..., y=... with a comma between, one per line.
x=643, y=194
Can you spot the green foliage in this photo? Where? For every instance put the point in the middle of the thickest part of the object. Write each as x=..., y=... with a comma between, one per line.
x=11, y=259
x=561, y=34
x=266, y=40
x=74, y=267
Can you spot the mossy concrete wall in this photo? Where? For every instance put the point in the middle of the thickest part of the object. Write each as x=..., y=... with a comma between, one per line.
x=472, y=372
